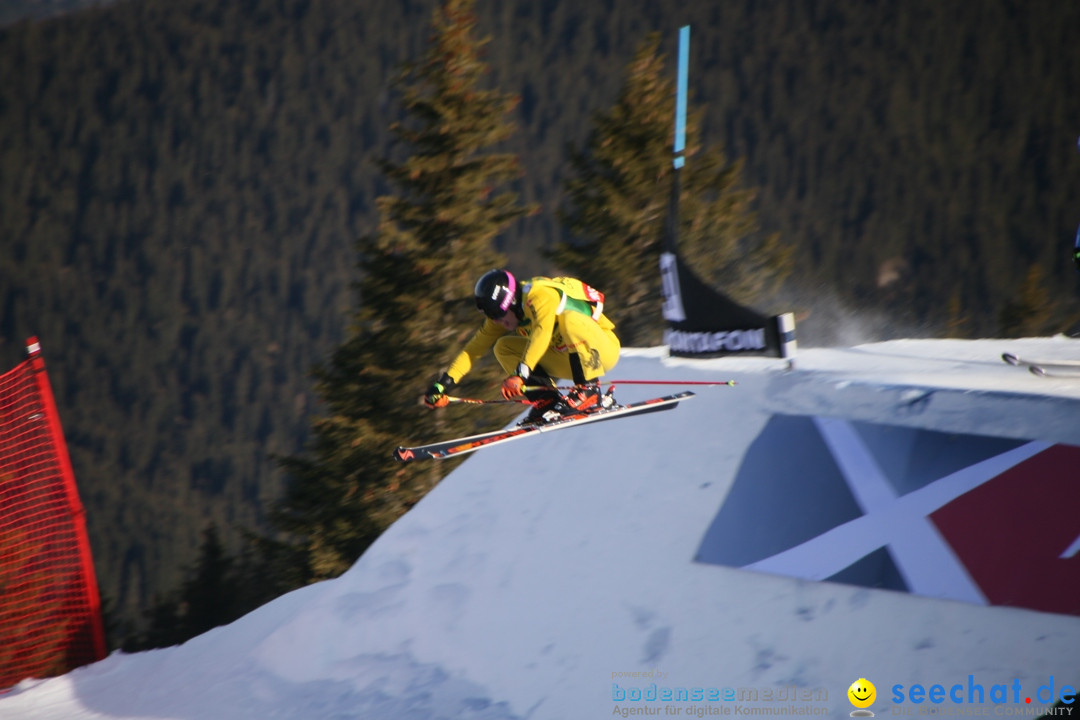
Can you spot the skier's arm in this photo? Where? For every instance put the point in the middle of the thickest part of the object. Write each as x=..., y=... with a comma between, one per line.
x=479, y=345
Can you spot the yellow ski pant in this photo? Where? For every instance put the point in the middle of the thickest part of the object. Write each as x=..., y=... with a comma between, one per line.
x=596, y=349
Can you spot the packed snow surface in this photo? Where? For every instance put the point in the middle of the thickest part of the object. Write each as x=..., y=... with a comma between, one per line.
x=545, y=577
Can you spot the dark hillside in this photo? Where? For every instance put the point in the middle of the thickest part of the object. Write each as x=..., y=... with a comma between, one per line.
x=15, y=10
x=182, y=183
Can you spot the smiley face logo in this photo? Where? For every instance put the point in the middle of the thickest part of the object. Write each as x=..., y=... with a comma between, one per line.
x=862, y=693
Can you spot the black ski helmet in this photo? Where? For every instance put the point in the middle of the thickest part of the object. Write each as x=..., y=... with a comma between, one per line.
x=496, y=293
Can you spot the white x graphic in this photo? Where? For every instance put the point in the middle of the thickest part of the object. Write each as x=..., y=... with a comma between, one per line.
x=926, y=562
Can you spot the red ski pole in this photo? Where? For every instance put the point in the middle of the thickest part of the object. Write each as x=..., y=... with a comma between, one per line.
x=668, y=382
x=729, y=383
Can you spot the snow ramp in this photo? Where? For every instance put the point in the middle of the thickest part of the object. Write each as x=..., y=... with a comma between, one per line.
x=755, y=551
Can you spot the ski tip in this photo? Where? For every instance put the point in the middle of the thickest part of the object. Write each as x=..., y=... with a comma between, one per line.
x=1010, y=358
x=1036, y=370
x=404, y=454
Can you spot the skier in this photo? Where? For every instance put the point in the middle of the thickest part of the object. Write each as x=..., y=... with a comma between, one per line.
x=540, y=330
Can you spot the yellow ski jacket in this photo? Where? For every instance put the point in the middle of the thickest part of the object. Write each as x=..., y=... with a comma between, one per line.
x=543, y=301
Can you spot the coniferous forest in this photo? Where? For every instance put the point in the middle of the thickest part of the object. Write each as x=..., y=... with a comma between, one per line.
x=183, y=184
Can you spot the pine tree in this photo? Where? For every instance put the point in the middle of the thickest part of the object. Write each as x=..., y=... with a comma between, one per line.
x=1031, y=311
x=957, y=320
x=209, y=596
x=435, y=237
x=618, y=204
x=212, y=595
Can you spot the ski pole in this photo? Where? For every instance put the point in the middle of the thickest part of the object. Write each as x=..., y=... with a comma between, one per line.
x=729, y=383
x=478, y=401
x=668, y=382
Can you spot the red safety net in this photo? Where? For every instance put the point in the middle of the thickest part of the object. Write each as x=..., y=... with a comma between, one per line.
x=50, y=611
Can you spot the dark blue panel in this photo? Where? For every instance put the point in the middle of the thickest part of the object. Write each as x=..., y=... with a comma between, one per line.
x=787, y=491
x=876, y=570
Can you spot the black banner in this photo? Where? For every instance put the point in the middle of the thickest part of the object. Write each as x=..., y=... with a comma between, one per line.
x=702, y=322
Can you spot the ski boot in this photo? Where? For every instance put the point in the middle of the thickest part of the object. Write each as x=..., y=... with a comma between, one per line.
x=583, y=397
x=545, y=398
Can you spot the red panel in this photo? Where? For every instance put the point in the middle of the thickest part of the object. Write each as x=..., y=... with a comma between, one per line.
x=1011, y=531
x=50, y=611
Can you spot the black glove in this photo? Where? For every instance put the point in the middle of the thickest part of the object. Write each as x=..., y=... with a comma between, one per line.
x=435, y=397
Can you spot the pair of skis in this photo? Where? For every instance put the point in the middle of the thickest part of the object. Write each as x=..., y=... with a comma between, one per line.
x=1045, y=368
x=461, y=446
